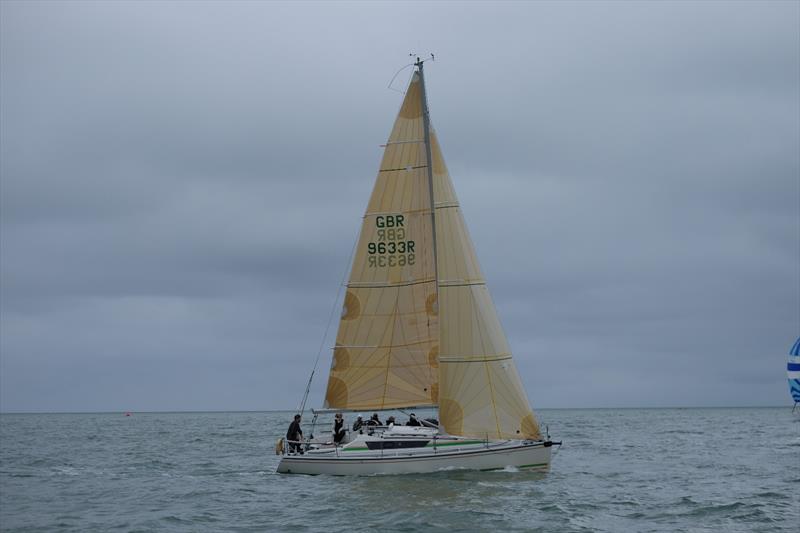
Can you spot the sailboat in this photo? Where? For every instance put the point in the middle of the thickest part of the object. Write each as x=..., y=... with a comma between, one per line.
x=419, y=330
x=793, y=373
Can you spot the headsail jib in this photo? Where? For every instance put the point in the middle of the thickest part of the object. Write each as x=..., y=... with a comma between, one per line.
x=481, y=394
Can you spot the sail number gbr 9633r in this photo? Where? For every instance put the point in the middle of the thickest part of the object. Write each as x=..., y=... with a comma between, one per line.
x=391, y=248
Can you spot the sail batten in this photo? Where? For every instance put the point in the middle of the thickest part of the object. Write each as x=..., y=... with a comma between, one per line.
x=404, y=169
x=473, y=358
x=384, y=284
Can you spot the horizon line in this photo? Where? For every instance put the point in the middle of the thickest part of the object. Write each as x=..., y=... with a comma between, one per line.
x=189, y=411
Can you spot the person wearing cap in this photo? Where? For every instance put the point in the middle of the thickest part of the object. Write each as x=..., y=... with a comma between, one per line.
x=412, y=421
x=358, y=423
x=375, y=421
x=390, y=421
x=338, y=429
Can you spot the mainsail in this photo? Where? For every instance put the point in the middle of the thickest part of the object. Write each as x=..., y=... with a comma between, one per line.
x=407, y=338
x=388, y=335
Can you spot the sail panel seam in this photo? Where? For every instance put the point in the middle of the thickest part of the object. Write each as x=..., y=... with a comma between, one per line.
x=384, y=284
x=422, y=210
x=473, y=358
x=410, y=141
x=410, y=167
x=460, y=283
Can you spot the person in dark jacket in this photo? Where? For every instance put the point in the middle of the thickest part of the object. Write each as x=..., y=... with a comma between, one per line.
x=358, y=423
x=338, y=429
x=375, y=421
x=412, y=421
x=294, y=435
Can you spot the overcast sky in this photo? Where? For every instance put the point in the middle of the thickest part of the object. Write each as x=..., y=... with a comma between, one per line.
x=182, y=183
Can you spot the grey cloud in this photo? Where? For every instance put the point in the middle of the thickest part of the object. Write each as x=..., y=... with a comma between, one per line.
x=181, y=186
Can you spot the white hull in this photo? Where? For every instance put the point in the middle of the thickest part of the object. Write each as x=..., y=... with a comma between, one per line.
x=523, y=455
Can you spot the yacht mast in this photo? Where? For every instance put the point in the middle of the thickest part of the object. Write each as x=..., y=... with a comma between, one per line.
x=426, y=126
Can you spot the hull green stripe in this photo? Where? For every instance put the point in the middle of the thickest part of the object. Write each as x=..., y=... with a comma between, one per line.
x=464, y=443
x=429, y=445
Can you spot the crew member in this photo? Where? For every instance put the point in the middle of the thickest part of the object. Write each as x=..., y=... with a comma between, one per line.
x=375, y=421
x=294, y=435
x=358, y=423
x=338, y=429
x=412, y=421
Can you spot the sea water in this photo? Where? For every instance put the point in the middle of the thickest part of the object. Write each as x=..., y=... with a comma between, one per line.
x=729, y=470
